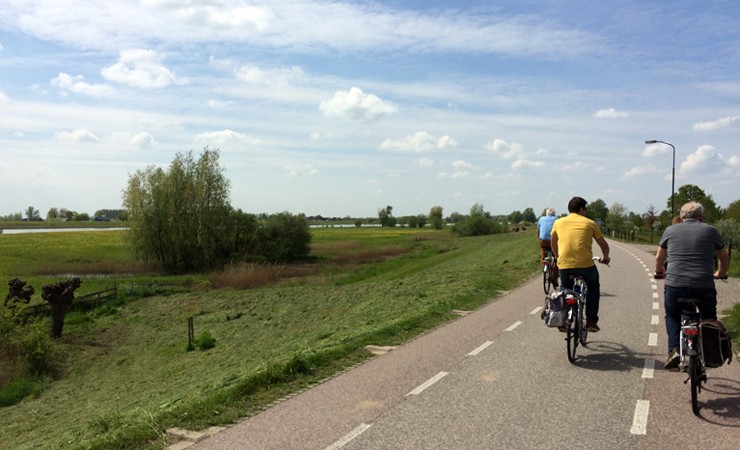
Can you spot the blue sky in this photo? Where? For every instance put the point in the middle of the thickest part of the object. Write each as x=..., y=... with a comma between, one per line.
x=343, y=107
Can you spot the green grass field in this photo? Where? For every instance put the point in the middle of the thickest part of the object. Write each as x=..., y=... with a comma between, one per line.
x=128, y=376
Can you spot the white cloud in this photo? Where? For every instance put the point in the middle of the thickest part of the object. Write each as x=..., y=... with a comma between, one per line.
x=504, y=149
x=275, y=77
x=356, y=105
x=426, y=162
x=78, y=85
x=224, y=137
x=656, y=149
x=705, y=160
x=421, y=141
x=526, y=164
x=143, y=140
x=299, y=170
x=139, y=68
x=640, y=171
x=4, y=98
x=734, y=162
x=718, y=124
x=611, y=113
x=79, y=135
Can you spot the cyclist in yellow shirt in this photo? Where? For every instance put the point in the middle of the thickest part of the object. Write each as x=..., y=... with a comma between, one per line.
x=571, y=239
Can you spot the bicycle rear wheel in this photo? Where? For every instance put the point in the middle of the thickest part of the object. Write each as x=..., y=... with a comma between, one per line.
x=546, y=277
x=695, y=378
x=582, y=325
x=572, y=334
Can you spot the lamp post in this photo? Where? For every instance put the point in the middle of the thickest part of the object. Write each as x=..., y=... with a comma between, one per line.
x=673, y=173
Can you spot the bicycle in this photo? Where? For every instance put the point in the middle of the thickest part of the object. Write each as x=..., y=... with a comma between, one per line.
x=690, y=347
x=576, y=323
x=547, y=271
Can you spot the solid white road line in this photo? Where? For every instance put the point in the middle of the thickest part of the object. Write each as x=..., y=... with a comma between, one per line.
x=427, y=383
x=483, y=346
x=349, y=436
x=514, y=325
x=639, y=422
x=649, y=370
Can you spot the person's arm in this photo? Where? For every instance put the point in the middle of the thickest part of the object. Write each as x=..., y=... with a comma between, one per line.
x=723, y=258
x=660, y=256
x=604, y=250
x=554, y=244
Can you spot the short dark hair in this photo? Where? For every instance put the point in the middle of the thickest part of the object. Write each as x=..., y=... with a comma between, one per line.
x=576, y=203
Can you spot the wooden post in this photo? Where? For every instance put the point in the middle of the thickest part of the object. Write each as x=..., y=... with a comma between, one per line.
x=191, y=333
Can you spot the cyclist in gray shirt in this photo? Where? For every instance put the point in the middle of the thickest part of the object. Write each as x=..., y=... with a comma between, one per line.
x=690, y=247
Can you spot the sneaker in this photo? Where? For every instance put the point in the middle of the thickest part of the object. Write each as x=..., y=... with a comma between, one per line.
x=592, y=327
x=673, y=359
x=563, y=329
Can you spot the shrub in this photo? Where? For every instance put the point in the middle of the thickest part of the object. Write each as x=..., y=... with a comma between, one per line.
x=205, y=341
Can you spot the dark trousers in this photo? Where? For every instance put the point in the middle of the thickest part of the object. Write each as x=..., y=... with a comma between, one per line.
x=673, y=309
x=591, y=277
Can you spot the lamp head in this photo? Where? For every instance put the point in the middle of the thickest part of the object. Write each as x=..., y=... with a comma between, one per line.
x=652, y=141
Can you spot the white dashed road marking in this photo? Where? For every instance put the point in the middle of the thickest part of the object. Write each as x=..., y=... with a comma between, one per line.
x=649, y=370
x=427, y=383
x=653, y=339
x=514, y=325
x=482, y=347
x=639, y=422
x=349, y=436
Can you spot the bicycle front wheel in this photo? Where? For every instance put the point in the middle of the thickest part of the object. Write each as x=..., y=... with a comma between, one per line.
x=546, y=278
x=695, y=378
x=572, y=334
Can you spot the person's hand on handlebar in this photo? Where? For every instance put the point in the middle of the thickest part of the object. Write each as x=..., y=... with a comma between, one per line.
x=606, y=260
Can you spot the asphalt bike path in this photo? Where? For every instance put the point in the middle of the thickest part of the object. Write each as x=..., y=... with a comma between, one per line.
x=499, y=378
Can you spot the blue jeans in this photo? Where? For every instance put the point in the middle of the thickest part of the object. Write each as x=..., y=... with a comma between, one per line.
x=673, y=309
x=591, y=277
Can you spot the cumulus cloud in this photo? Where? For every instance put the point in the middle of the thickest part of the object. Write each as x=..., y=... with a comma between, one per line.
x=356, y=105
x=143, y=140
x=718, y=124
x=526, y=164
x=3, y=97
x=611, y=113
x=225, y=137
x=79, y=135
x=734, y=162
x=640, y=171
x=706, y=159
x=421, y=141
x=505, y=149
x=273, y=77
x=78, y=85
x=299, y=170
x=656, y=149
x=139, y=68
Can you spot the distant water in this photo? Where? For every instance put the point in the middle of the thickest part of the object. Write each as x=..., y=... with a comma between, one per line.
x=53, y=230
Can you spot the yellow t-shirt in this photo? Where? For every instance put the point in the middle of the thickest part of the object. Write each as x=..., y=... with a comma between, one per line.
x=575, y=234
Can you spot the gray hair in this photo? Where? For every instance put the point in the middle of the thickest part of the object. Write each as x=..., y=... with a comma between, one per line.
x=550, y=212
x=692, y=210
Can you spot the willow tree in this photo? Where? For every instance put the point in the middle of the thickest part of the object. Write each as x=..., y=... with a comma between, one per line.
x=181, y=217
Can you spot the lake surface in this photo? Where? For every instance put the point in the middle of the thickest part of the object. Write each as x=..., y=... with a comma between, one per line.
x=54, y=230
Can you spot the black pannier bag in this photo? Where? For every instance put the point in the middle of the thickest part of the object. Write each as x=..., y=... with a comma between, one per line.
x=716, y=343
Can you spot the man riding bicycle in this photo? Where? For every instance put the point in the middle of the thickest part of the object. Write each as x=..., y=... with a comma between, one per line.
x=571, y=238
x=544, y=227
x=690, y=247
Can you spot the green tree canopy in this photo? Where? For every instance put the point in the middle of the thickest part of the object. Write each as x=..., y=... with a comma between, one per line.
x=692, y=193
x=732, y=211
x=181, y=217
x=597, y=210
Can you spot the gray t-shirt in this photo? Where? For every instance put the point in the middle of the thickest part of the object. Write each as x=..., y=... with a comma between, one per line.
x=691, y=247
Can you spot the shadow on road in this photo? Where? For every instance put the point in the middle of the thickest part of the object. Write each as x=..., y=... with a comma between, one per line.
x=724, y=407
x=609, y=356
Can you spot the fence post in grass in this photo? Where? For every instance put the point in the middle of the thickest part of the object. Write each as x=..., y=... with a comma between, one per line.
x=191, y=334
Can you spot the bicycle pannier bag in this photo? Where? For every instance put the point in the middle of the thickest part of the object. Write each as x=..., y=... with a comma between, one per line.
x=716, y=343
x=555, y=313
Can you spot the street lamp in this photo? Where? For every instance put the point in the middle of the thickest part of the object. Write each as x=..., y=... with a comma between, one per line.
x=673, y=173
